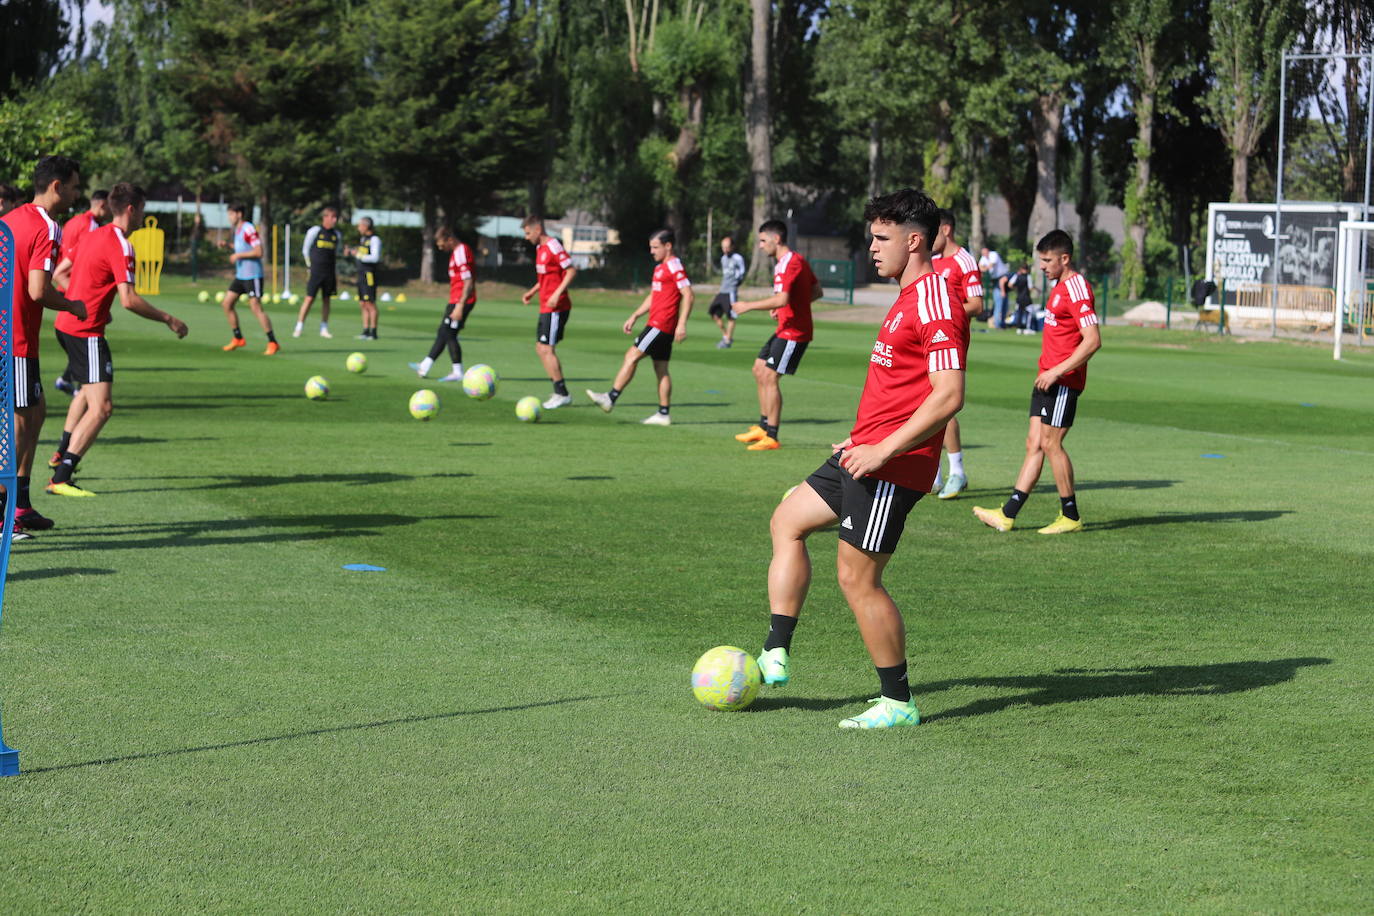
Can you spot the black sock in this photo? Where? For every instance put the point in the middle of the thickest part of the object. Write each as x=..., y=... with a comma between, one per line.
x=1014, y=504
x=763, y=422
x=271, y=338
x=780, y=628
x=372, y=333
x=66, y=441
x=67, y=468
x=560, y=387
x=613, y=394
x=895, y=686
x=21, y=499
x=1069, y=506
x=238, y=334
x=663, y=409
x=771, y=430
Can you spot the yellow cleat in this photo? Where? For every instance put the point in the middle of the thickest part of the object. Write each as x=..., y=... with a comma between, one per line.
x=994, y=518
x=753, y=434
x=1063, y=525
x=66, y=489
x=766, y=444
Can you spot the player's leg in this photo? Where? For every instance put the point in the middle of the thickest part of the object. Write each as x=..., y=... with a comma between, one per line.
x=325, y=293
x=30, y=409
x=1004, y=518
x=255, y=303
x=606, y=399
x=1052, y=434
x=442, y=335
x=552, y=326
x=665, y=393
x=761, y=369
x=730, y=329
x=99, y=407
x=305, y=310
x=770, y=405
x=231, y=314
x=958, y=480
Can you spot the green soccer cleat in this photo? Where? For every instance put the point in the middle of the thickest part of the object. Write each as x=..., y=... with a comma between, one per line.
x=885, y=713
x=956, y=484
x=773, y=664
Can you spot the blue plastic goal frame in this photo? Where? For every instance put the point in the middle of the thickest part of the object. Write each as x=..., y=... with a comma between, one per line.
x=9, y=458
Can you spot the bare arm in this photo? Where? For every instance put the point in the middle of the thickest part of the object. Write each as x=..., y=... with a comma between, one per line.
x=973, y=305
x=1090, y=344
x=688, y=298
x=45, y=294
x=775, y=301
x=568, y=276
x=629, y=326
x=62, y=276
x=945, y=400
x=144, y=309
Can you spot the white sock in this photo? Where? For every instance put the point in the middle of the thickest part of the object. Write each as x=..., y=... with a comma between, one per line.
x=299, y=326
x=324, y=326
x=939, y=479
x=956, y=463
x=425, y=364
x=458, y=369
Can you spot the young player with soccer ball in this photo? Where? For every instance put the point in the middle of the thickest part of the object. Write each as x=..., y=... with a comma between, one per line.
x=462, y=299
x=915, y=384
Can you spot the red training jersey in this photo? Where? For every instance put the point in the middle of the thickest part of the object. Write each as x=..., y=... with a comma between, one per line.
x=104, y=260
x=961, y=271
x=792, y=275
x=460, y=272
x=1068, y=312
x=670, y=279
x=73, y=231
x=551, y=262
x=37, y=246
x=925, y=332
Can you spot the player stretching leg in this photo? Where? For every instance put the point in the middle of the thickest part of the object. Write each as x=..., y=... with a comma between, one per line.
x=915, y=384
x=669, y=303
x=1070, y=339
x=321, y=252
x=956, y=265
x=722, y=310
x=462, y=299
x=104, y=266
x=554, y=274
x=369, y=255
x=37, y=247
x=795, y=287
x=247, y=261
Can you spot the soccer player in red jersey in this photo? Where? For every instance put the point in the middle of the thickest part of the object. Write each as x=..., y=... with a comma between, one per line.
x=669, y=303
x=104, y=266
x=462, y=299
x=37, y=247
x=555, y=272
x=795, y=287
x=74, y=230
x=958, y=267
x=915, y=384
x=1070, y=338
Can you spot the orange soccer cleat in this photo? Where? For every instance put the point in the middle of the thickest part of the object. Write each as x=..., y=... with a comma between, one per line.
x=752, y=434
x=234, y=344
x=272, y=348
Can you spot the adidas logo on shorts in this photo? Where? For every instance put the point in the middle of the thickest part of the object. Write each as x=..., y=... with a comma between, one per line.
x=847, y=523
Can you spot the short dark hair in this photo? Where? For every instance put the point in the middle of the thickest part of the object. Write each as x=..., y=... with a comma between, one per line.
x=907, y=207
x=1056, y=241
x=10, y=193
x=776, y=227
x=532, y=219
x=330, y=208
x=101, y=194
x=947, y=218
x=666, y=236
x=53, y=168
x=444, y=232
x=125, y=195
x=239, y=208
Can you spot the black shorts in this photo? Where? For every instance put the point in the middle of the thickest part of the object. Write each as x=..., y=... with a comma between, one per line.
x=722, y=305
x=28, y=389
x=1055, y=407
x=655, y=344
x=251, y=288
x=88, y=358
x=367, y=284
x=872, y=512
x=322, y=285
x=458, y=325
x=783, y=356
x=551, y=327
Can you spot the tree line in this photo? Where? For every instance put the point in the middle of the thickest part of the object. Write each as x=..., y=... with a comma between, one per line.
x=694, y=113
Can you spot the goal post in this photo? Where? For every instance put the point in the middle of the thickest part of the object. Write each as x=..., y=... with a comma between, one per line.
x=9, y=757
x=1354, y=274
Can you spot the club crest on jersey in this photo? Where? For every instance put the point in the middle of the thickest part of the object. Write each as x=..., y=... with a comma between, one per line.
x=896, y=320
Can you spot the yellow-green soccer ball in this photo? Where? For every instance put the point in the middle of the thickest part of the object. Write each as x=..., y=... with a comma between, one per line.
x=480, y=382
x=276, y=299
x=317, y=388
x=204, y=295
x=528, y=409
x=424, y=404
x=726, y=678
x=219, y=295
x=356, y=362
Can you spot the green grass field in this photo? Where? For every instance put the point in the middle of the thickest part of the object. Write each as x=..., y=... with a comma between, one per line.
x=1169, y=712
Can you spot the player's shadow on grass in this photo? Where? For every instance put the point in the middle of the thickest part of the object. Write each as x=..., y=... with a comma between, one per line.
x=314, y=732
x=57, y=572
x=1047, y=487
x=1175, y=518
x=1073, y=685
x=248, y=481
x=810, y=704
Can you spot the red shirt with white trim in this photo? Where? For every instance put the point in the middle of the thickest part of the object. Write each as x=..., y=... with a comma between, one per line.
x=925, y=332
x=37, y=246
x=670, y=279
x=460, y=272
x=74, y=230
x=1068, y=312
x=104, y=260
x=792, y=275
x=551, y=262
x=961, y=270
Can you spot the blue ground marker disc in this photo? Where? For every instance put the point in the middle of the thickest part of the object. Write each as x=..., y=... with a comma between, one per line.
x=1213, y=455
x=363, y=567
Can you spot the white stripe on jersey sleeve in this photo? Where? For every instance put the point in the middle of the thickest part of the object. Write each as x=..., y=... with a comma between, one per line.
x=1088, y=319
x=940, y=307
x=975, y=290
x=966, y=261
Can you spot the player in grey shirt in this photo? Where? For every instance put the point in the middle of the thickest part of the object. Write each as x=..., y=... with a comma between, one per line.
x=722, y=310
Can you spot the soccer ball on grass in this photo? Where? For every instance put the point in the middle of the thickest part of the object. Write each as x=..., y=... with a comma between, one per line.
x=528, y=409
x=424, y=404
x=317, y=388
x=356, y=362
x=726, y=678
x=480, y=382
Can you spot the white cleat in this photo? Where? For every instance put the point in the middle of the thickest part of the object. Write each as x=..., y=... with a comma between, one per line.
x=324, y=332
x=658, y=419
x=452, y=377
x=296, y=333
x=601, y=399
x=557, y=400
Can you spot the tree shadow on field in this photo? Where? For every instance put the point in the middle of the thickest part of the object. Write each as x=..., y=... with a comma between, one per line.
x=1072, y=685
x=311, y=733
x=234, y=531
x=57, y=572
x=247, y=481
x=1175, y=518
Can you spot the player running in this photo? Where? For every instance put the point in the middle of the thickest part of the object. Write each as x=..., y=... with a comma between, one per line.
x=795, y=287
x=369, y=255
x=1070, y=339
x=37, y=247
x=669, y=304
x=462, y=299
x=957, y=266
x=104, y=266
x=321, y=252
x=247, y=261
x=722, y=310
x=73, y=231
x=554, y=274
x=915, y=384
